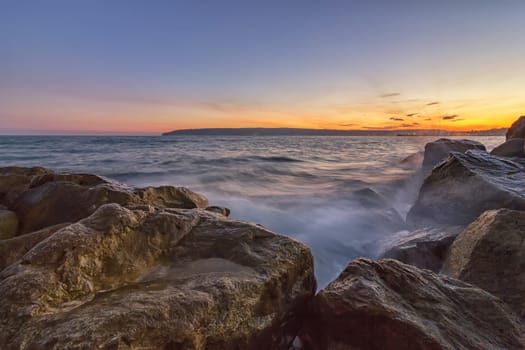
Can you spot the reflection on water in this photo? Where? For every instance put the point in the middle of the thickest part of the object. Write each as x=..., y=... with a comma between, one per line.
x=299, y=186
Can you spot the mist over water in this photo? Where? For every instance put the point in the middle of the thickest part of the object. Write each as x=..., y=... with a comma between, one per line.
x=303, y=187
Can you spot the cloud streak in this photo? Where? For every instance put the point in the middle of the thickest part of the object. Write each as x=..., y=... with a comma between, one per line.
x=390, y=94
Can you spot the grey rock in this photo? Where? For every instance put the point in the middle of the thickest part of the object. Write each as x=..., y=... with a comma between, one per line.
x=511, y=148
x=426, y=248
x=466, y=185
x=437, y=151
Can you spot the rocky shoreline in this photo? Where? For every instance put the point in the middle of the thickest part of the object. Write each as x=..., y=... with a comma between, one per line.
x=89, y=263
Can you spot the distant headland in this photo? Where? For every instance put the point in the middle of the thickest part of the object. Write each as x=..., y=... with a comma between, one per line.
x=328, y=132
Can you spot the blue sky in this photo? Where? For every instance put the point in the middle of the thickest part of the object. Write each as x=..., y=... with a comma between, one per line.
x=148, y=66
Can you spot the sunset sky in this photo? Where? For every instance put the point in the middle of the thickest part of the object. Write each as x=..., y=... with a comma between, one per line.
x=139, y=67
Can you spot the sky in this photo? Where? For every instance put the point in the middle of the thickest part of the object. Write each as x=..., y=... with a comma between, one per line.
x=149, y=66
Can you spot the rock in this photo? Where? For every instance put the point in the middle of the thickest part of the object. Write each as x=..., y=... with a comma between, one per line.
x=375, y=213
x=466, y=185
x=8, y=224
x=156, y=279
x=13, y=249
x=219, y=210
x=511, y=148
x=437, y=151
x=387, y=305
x=426, y=248
x=490, y=255
x=42, y=198
x=517, y=129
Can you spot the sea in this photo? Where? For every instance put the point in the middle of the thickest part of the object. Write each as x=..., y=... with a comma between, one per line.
x=300, y=186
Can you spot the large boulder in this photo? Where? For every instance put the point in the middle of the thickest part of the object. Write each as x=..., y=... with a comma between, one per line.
x=387, y=305
x=439, y=150
x=490, y=254
x=517, y=129
x=43, y=198
x=426, y=248
x=466, y=185
x=8, y=224
x=512, y=148
x=156, y=279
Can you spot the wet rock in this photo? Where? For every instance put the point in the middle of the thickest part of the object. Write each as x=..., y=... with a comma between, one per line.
x=517, y=129
x=219, y=210
x=426, y=248
x=8, y=224
x=375, y=213
x=511, y=148
x=466, y=185
x=490, y=255
x=42, y=198
x=387, y=305
x=156, y=279
x=437, y=151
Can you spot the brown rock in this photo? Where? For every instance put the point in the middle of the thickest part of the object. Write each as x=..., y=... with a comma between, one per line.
x=426, y=248
x=490, y=254
x=8, y=224
x=517, y=129
x=388, y=305
x=156, y=279
x=42, y=198
x=13, y=249
x=511, y=148
x=219, y=210
x=466, y=185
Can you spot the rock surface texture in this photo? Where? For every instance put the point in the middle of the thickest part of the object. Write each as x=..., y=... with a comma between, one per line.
x=155, y=279
x=8, y=224
x=425, y=248
x=388, y=305
x=517, y=129
x=490, y=254
x=466, y=185
x=511, y=148
x=439, y=150
x=43, y=198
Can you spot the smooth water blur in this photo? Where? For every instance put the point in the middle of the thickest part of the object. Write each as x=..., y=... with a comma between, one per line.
x=299, y=186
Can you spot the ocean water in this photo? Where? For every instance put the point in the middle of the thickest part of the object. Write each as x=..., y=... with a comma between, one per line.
x=299, y=186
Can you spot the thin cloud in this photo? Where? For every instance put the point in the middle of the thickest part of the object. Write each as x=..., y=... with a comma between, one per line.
x=390, y=94
x=411, y=114
x=450, y=117
x=397, y=119
x=379, y=127
x=433, y=103
x=348, y=124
